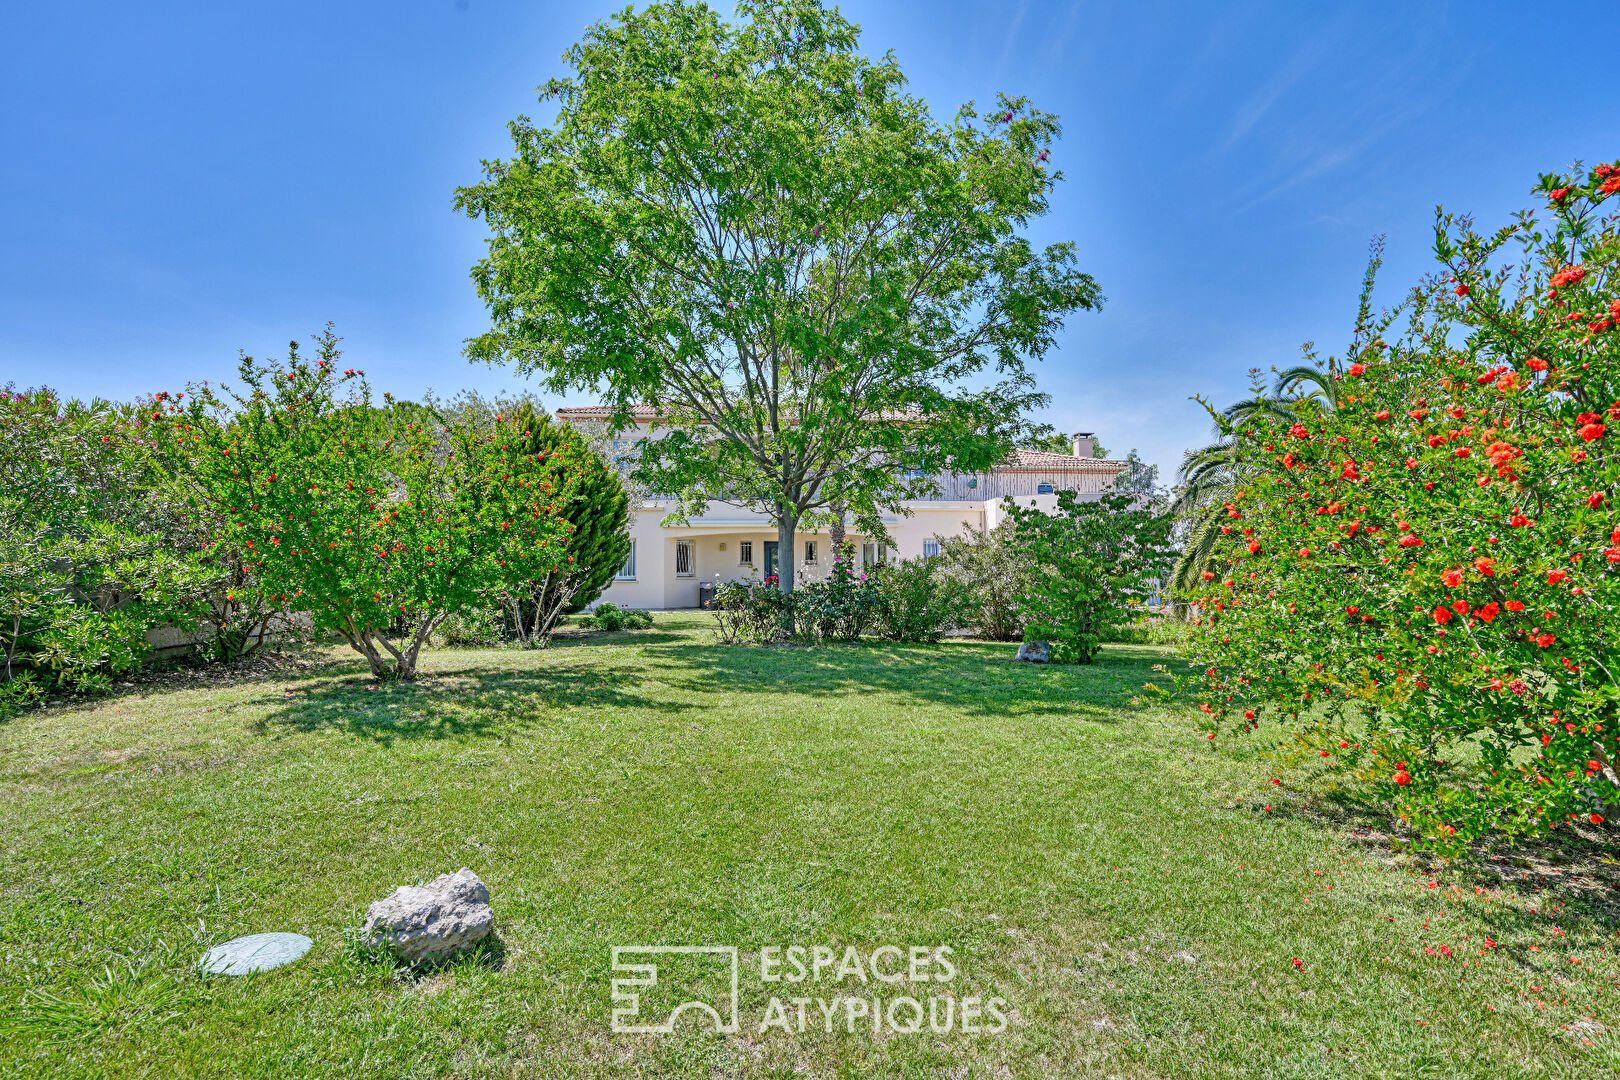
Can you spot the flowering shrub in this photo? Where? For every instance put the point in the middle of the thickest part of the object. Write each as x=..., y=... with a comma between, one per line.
x=1093, y=563
x=839, y=607
x=1422, y=583
x=362, y=515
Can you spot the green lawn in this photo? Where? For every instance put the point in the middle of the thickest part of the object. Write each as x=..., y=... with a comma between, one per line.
x=1065, y=839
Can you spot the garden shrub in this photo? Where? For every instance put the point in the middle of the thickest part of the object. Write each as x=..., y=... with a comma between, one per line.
x=996, y=575
x=840, y=607
x=85, y=655
x=22, y=691
x=1093, y=562
x=918, y=600
x=609, y=616
x=751, y=612
x=1421, y=583
x=471, y=627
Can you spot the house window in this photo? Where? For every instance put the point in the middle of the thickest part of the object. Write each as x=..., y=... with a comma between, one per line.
x=873, y=554
x=627, y=572
x=1043, y=489
x=809, y=552
x=745, y=552
x=930, y=548
x=685, y=564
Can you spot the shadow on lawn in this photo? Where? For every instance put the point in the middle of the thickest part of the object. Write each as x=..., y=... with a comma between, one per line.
x=979, y=678
x=461, y=703
x=1572, y=876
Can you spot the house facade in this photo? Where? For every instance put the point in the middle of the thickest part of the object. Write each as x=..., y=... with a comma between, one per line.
x=668, y=562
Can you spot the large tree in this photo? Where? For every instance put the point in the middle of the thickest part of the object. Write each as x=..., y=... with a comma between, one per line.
x=752, y=227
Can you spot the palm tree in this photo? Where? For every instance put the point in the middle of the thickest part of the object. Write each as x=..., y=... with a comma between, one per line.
x=1211, y=475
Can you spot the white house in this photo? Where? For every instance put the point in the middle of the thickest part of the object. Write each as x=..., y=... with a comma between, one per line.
x=667, y=563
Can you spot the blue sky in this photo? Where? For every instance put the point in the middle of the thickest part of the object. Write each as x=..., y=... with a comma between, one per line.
x=180, y=181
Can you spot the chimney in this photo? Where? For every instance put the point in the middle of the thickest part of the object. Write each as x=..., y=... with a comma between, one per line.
x=1085, y=444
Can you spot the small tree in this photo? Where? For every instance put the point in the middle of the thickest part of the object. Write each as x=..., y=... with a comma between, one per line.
x=599, y=514
x=1418, y=575
x=753, y=227
x=1091, y=560
x=362, y=516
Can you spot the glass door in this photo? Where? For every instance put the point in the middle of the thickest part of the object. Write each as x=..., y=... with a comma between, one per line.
x=770, y=556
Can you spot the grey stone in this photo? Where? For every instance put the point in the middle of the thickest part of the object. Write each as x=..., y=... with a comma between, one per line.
x=1035, y=652
x=1184, y=956
x=256, y=952
x=427, y=924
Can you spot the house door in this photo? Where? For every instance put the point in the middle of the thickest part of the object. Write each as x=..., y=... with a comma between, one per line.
x=770, y=557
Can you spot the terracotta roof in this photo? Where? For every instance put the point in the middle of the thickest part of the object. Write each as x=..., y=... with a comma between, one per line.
x=1041, y=459
x=640, y=412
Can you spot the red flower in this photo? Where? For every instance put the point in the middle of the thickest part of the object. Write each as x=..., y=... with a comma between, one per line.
x=1555, y=576
x=1452, y=578
x=1248, y=714
x=1442, y=615
x=1557, y=194
x=1358, y=369
x=1411, y=541
x=1545, y=640
x=1485, y=565
x=1515, y=605
x=1537, y=364
x=1593, y=432
x=1489, y=612
x=1298, y=962
x=1403, y=777
x=1254, y=547
x=1300, y=431
x=1597, y=819
x=1569, y=275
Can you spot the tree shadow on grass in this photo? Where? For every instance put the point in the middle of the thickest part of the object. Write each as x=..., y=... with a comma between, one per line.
x=1572, y=875
x=460, y=703
x=977, y=678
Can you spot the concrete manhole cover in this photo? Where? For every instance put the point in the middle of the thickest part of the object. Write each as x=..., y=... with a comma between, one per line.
x=256, y=952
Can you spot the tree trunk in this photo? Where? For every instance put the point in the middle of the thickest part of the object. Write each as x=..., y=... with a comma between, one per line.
x=837, y=529
x=787, y=519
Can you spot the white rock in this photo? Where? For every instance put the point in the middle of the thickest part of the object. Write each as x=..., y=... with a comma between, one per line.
x=426, y=924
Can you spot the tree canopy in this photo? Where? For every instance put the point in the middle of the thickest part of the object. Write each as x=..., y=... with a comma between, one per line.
x=752, y=227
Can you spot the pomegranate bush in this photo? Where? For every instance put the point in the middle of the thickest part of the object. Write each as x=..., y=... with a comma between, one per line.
x=372, y=519
x=1421, y=583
